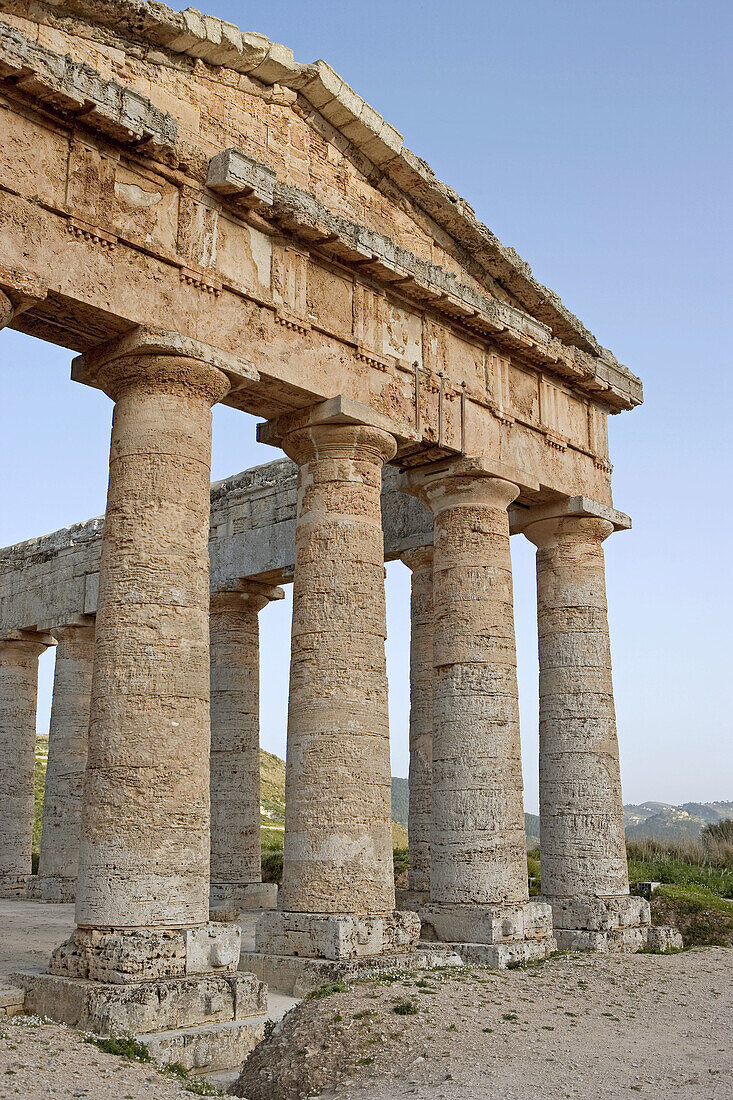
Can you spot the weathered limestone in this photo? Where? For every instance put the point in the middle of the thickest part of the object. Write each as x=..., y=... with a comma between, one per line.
x=67, y=758
x=478, y=876
x=584, y=871
x=420, y=562
x=18, y=694
x=338, y=883
x=236, y=877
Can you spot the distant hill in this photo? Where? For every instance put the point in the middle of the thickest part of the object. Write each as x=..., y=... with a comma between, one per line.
x=663, y=821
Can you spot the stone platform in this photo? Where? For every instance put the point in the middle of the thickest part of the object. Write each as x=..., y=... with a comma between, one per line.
x=601, y=924
x=205, y=1022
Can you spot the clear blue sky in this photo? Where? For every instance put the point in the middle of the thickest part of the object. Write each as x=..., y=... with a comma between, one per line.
x=593, y=137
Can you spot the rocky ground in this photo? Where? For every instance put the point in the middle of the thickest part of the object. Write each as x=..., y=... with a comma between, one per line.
x=577, y=1026
x=40, y=1061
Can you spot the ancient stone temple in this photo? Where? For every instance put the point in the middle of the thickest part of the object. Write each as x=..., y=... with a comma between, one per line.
x=202, y=219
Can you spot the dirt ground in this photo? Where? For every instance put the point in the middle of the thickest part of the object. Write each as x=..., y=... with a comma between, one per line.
x=580, y=1027
x=41, y=1061
x=576, y=1026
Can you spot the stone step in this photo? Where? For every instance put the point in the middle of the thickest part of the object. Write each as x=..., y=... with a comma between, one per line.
x=12, y=1000
x=167, y=1004
x=208, y=1048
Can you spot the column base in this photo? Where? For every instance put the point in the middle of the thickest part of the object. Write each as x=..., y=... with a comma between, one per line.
x=495, y=925
x=147, y=954
x=336, y=936
x=206, y=1022
x=13, y=886
x=243, y=895
x=611, y=924
x=51, y=888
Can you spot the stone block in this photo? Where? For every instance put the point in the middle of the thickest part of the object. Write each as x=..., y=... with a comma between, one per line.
x=213, y=947
x=12, y=1000
x=599, y=914
x=13, y=886
x=626, y=940
x=114, y=1009
x=487, y=924
x=60, y=891
x=336, y=936
x=663, y=938
x=414, y=900
x=147, y=954
x=647, y=889
x=205, y=1049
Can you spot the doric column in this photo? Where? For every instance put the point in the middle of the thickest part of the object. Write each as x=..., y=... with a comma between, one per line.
x=338, y=882
x=420, y=562
x=18, y=696
x=583, y=850
x=478, y=875
x=236, y=870
x=67, y=758
x=144, y=853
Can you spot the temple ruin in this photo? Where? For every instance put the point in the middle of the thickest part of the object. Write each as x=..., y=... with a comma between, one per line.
x=202, y=219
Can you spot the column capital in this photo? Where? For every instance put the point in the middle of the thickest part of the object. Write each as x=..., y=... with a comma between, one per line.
x=247, y=594
x=549, y=532
x=571, y=508
x=462, y=482
x=28, y=643
x=418, y=558
x=321, y=423
x=163, y=358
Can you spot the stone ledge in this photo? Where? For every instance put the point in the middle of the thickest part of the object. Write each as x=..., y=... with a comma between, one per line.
x=502, y=955
x=12, y=1000
x=171, y=1003
x=297, y=976
x=627, y=940
x=211, y=1047
x=336, y=937
x=13, y=886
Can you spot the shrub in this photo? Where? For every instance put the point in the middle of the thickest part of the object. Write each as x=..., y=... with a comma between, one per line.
x=272, y=866
x=401, y=860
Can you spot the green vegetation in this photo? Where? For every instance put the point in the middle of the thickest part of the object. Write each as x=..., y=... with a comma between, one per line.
x=401, y=860
x=405, y=1008
x=696, y=895
x=121, y=1047
x=326, y=990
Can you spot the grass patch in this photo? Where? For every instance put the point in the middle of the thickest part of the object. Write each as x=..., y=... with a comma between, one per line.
x=121, y=1047
x=400, y=860
x=405, y=1008
x=326, y=990
x=703, y=918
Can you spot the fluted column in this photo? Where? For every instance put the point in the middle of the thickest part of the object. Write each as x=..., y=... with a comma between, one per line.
x=67, y=758
x=338, y=871
x=478, y=874
x=236, y=870
x=18, y=698
x=420, y=562
x=582, y=840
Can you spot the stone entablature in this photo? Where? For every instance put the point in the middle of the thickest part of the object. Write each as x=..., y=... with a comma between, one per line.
x=318, y=261
x=50, y=580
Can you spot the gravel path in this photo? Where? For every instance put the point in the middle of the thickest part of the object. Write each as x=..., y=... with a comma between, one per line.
x=580, y=1027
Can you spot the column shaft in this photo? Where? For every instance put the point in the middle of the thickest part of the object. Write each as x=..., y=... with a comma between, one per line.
x=478, y=845
x=18, y=696
x=236, y=870
x=338, y=837
x=144, y=856
x=581, y=807
x=67, y=758
x=422, y=675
